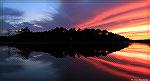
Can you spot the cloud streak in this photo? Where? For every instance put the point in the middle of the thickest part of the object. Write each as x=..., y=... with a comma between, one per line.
x=122, y=18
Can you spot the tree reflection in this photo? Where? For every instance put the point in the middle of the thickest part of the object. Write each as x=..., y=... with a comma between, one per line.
x=72, y=50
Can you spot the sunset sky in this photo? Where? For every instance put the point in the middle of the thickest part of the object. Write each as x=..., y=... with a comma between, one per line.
x=129, y=18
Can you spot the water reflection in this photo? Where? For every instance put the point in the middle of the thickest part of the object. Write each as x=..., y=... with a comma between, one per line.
x=72, y=50
x=16, y=68
x=129, y=63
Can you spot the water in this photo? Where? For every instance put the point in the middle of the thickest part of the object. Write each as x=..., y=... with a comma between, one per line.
x=129, y=64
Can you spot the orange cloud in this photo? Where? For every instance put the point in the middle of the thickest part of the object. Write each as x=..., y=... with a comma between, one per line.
x=130, y=17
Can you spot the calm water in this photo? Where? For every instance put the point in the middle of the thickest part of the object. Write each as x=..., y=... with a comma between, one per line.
x=129, y=63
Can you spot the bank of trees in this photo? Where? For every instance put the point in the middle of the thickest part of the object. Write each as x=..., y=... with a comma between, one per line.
x=60, y=34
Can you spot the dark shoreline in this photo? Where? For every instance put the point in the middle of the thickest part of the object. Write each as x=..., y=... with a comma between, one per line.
x=78, y=43
x=147, y=41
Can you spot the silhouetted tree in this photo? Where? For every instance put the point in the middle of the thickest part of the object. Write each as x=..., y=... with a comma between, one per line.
x=24, y=30
x=60, y=34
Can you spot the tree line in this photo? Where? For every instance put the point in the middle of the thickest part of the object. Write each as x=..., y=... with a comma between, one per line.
x=60, y=34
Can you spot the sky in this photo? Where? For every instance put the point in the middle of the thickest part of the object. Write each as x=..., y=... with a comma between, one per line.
x=129, y=18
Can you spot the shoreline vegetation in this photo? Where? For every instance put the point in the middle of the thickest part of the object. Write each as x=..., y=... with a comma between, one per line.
x=62, y=35
x=145, y=41
x=60, y=42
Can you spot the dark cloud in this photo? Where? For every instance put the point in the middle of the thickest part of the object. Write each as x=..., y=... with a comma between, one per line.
x=8, y=15
x=4, y=26
x=10, y=12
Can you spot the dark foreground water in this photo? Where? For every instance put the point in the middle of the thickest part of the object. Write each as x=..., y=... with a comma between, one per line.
x=129, y=64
